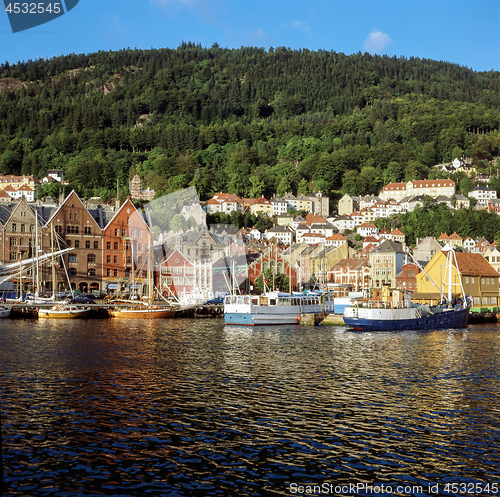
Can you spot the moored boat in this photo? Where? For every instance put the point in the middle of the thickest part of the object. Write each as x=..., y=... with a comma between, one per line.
x=404, y=315
x=64, y=312
x=142, y=312
x=381, y=316
x=4, y=312
x=274, y=308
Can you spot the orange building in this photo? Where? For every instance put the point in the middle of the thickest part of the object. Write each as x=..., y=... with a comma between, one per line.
x=126, y=242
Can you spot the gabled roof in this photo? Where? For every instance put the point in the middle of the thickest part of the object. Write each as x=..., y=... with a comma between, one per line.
x=73, y=195
x=474, y=265
x=443, y=236
x=337, y=236
x=25, y=188
x=390, y=246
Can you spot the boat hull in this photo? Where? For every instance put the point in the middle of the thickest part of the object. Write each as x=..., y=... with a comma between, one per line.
x=142, y=313
x=64, y=314
x=259, y=319
x=272, y=309
x=4, y=313
x=456, y=318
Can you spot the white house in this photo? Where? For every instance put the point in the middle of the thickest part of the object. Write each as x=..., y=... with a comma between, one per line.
x=367, y=229
x=313, y=238
x=344, y=222
x=482, y=194
x=282, y=233
x=335, y=240
x=279, y=206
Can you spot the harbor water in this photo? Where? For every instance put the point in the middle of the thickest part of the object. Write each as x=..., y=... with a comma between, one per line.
x=193, y=407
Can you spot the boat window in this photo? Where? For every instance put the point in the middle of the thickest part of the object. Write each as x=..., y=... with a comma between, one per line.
x=272, y=301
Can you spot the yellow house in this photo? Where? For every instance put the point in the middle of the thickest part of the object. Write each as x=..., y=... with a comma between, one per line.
x=479, y=279
x=346, y=205
x=262, y=206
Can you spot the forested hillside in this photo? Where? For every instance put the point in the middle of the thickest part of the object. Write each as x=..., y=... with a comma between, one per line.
x=247, y=121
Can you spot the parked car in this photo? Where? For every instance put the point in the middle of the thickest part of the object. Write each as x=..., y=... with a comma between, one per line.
x=216, y=300
x=82, y=299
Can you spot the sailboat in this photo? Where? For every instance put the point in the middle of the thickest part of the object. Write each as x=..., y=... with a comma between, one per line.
x=142, y=310
x=64, y=311
x=405, y=315
x=60, y=310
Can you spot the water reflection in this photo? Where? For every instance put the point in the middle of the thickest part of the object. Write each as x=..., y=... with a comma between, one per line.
x=191, y=407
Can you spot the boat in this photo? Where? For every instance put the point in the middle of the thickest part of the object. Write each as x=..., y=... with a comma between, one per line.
x=370, y=315
x=142, y=312
x=4, y=312
x=64, y=312
x=274, y=308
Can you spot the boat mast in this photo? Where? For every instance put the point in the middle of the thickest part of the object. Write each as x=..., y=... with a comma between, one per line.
x=450, y=274
x=53, y=262
x=150, y=262
x=133, y=268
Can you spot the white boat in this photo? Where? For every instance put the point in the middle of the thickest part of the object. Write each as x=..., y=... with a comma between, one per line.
x=4, y=312
x=274, y=308
x=195, y=297
x=64, y=312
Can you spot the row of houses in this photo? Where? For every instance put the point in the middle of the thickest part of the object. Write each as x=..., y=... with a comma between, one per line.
x=317, y=203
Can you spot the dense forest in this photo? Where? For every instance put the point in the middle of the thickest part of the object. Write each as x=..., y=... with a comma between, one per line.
x=247, y=121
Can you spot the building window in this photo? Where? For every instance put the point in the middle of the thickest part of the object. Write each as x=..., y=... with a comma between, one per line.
x=139, y=233
x=72, y=258
x=139, y=260
x=139, y=246
x=108, y=245
x=108, y=259
x=115, y=259
x=90, y=258
x=13, y=242
x=14, y=227
x=132, y=233
x=68, y=243
x=109, y=272
x=117, y=232
x=124, y=232
x=115, y=245
x=23, y=228
x=87, y=244
x=72, y=271
x=96, y=245
x=115, y=272
x=91, y=272
x=77, y=243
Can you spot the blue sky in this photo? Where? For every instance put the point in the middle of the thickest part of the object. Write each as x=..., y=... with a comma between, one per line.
x=459, y=31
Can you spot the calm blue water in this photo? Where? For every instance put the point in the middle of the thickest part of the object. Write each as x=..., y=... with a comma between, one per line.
x=191, y=407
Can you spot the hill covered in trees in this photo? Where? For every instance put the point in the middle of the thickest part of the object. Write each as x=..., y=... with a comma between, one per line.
x=248, y=121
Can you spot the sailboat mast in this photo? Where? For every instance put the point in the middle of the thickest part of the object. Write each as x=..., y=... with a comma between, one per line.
x=53, y=262
x=450, y=274
x=37, y=268
x=150, y=263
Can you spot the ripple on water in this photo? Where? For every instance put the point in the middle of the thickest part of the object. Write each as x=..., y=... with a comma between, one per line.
x=188, y=407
